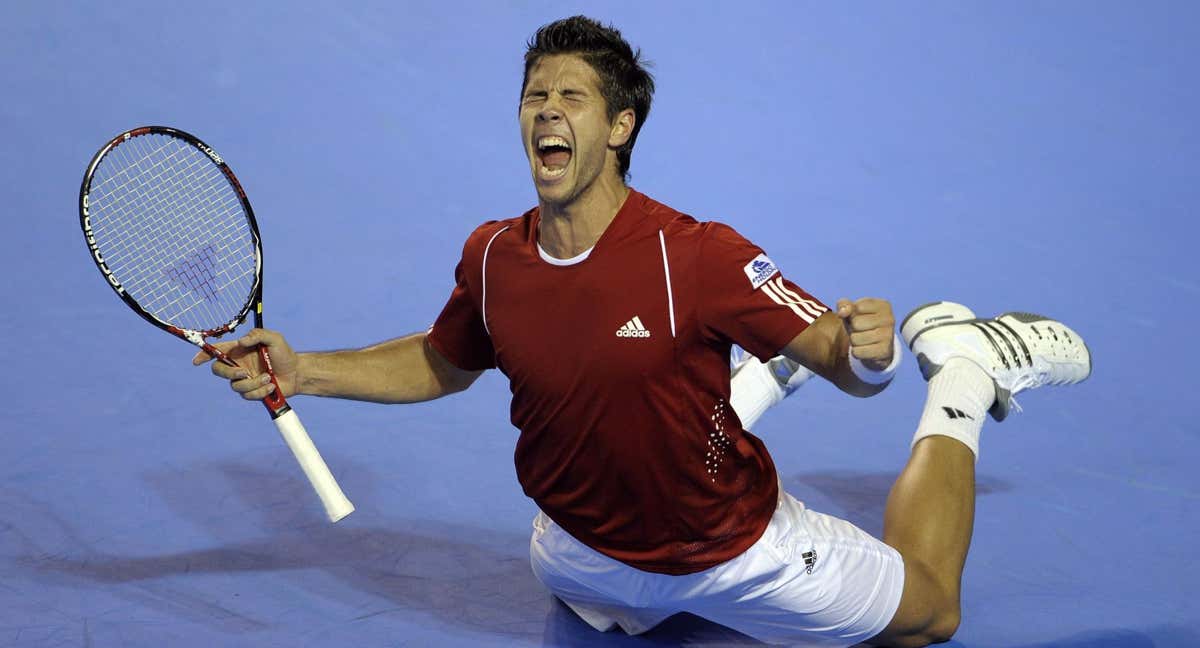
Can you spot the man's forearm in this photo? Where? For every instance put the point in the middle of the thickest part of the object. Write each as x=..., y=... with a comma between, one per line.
x=402, y=370
x=844, y=378
x=824, y=347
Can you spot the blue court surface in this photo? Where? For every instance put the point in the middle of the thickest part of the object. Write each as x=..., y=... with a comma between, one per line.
x=1039, y=156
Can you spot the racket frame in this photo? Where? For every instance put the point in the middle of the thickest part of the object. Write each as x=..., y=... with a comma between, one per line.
x=275, y=402
x=337, y=506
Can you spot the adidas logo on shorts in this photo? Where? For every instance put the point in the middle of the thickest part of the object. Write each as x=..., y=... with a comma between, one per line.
x=633, y=329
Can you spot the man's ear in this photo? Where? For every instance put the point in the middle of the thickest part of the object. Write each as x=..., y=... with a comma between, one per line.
x=622, y=128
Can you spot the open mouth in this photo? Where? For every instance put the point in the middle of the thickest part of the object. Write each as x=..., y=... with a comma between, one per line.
x=553, y=154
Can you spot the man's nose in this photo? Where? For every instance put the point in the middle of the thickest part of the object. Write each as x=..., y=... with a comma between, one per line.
x=551, y=110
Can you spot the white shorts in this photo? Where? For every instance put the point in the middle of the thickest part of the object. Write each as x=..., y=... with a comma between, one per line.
x=810, y=580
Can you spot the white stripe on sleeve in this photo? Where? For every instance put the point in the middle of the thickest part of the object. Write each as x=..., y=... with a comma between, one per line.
x=769, y=289
x=814, y=308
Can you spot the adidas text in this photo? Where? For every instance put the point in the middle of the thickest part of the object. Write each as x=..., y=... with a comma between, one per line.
x=633, y=329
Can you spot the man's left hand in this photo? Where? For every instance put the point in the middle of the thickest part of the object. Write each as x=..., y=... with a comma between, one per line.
x=870, y=324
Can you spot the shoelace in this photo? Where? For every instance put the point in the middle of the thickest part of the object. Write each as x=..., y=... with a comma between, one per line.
x=1014, y=353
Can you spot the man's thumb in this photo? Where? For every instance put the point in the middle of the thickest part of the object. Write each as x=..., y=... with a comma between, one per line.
x=845, y=308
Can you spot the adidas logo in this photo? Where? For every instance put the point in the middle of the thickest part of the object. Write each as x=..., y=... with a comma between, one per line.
x=956, y=413
x=633, y=329
x=810, y=560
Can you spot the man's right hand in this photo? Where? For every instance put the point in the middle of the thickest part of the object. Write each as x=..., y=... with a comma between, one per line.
x=250, y=378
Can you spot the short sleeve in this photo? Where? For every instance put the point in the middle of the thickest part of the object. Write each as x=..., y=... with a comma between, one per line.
x=745, y=299
x=458, y=333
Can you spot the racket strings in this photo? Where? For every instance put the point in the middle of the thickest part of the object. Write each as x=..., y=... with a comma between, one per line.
x=129, y=166
x=172, y=229
x=200, y=285
x=170, y=197
x=133, y=196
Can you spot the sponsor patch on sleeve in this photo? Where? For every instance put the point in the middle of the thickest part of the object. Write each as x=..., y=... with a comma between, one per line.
x=759, y=270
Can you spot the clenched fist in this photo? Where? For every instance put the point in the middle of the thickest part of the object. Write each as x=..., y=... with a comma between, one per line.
x=870, y=324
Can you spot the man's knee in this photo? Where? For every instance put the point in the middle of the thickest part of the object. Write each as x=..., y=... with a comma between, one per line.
x=944, y=625
x=940, y=627
x=929, y=611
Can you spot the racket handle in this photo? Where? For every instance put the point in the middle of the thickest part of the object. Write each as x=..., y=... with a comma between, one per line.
x=293, y=432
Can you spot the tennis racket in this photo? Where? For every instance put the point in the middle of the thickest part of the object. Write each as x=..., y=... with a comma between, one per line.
x=171, y=230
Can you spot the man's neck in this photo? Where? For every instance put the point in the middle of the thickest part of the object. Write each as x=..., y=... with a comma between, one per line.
x=567, y=230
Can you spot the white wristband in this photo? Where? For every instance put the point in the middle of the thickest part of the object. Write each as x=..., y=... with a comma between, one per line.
x=873, y=377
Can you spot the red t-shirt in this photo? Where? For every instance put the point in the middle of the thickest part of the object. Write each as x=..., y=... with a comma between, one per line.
x=619, y=370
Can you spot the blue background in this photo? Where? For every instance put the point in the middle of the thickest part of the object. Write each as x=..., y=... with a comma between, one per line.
x=1020, y=155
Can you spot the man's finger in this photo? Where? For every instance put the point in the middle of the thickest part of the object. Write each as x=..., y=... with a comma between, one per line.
x=249, y=386
x=868, y=323
x=203, y=356
x=869, y=305
x=222, y=370
x=845, y=308
x=251, y=339
x=260, y=392
x=877, y=352
x=263, y=337
x=870, y=337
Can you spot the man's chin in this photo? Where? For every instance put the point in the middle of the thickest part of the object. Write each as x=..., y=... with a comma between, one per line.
x=556, y=194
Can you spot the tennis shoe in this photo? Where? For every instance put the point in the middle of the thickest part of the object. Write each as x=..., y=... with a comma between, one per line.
x=1018, y=351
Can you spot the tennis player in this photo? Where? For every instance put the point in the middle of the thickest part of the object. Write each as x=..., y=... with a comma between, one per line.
x=613, y=317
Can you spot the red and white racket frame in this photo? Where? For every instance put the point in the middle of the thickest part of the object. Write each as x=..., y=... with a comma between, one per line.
x=337, y=506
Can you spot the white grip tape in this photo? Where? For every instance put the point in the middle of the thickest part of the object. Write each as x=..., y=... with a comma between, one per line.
x=293, y=432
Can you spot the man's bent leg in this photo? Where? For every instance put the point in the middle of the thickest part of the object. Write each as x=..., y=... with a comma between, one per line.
x=929, y=517
x=931, y=510
x=973, y=367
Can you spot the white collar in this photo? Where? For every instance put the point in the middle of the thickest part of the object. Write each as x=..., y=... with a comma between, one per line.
x=563, y=262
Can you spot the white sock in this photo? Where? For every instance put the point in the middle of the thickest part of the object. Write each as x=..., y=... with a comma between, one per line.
x=959, y=397
x=753, y=391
